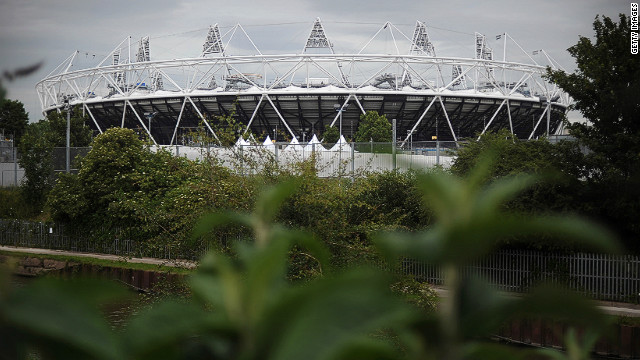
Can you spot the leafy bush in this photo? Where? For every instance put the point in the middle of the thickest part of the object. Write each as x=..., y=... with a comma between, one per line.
x=243, y=308
x=373, y=127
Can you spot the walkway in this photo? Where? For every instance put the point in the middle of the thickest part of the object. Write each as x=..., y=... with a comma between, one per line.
x=173, y=263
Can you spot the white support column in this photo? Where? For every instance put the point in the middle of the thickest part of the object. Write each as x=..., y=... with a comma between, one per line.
x=548, y=114
x=175, y=130
x=255, y=111
x=204, y=120
x=280, y=115
x=509, y=113
x=92, y=118
x=444, y=110
x=493, y=117
x=415, y=126
x=538, y=123
x=141, y=122
x=358, y=102
x=341, y=110
x=124, y=112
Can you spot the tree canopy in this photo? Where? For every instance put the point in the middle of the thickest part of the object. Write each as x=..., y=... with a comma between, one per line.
x=331, y=135
x=373, y=127
x=13, y=118
x=606, y=89
x=36, y=149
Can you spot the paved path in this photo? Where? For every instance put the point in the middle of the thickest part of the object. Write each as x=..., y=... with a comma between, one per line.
x=609, y=307
x=173, y=263
x=613, y=308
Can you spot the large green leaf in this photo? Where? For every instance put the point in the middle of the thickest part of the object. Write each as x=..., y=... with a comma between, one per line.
x=323, y=319
x=58, y=318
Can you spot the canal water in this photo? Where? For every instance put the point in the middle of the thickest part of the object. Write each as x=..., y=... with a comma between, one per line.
x=145, y=288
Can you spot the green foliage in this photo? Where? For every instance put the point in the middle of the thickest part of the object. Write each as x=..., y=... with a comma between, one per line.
x=605, y=89
x=561, y=166
x=470, y=224
x=36, y=150
x=36, y=158
x=119, y=182
x=14, y=205
x=227, y=128
x=13, y=118
x=80, y=133
x=373, y=127
x=389, y=199
x=331, y=135
x=243, y=308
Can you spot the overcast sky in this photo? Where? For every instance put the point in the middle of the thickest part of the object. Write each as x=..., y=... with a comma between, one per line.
x=49, y=31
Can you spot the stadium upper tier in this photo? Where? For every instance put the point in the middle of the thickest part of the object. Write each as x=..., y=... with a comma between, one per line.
x=448, y=97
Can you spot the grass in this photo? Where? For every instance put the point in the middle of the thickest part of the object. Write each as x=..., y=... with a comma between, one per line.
x=102, y=262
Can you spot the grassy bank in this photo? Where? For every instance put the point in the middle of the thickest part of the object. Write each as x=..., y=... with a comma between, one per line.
x=122, y=263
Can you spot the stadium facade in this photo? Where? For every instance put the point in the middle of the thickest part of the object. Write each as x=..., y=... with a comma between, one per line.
x=430, y=96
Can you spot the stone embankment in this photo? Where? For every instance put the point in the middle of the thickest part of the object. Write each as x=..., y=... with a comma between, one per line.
x=141, y=280
x=31, y=266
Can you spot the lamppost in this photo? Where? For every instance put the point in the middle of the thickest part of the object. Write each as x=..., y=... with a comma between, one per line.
x=67, y=108
x=410, y=135
x=150, y=116
x=340, y=109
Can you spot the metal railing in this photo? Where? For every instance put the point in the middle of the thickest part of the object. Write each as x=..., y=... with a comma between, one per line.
x=602, y=277
x=53, y=236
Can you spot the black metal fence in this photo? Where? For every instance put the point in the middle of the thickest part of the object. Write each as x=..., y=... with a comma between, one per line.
x=57, y=237
x=602, y=277
x=599, y=276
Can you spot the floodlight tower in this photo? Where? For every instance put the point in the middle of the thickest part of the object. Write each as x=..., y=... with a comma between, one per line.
x=120, y=76
x=420, y=45
x=458, y=77
x=484, y=52
x=318, y=40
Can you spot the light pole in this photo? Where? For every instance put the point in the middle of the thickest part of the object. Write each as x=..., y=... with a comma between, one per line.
x=340, y=109
x=67, y=108
x=150, y=116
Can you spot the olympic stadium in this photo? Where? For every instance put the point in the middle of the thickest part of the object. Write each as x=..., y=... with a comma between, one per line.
x=430, y=95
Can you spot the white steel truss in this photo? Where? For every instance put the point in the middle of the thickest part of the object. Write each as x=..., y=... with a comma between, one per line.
x=419, y=72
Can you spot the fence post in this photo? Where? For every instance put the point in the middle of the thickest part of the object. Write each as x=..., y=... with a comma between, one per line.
x=437, y=152
x=15, y=166
x=393, y=146
x=241, y=160
x=353, y=158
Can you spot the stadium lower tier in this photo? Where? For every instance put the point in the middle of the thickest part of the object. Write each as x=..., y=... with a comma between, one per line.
x=442, y=117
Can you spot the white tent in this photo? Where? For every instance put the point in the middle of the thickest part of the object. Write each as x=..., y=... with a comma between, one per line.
x=294, y=145
x=314, y=144
x=268, y=144
x=341, y=145
x=241, y=142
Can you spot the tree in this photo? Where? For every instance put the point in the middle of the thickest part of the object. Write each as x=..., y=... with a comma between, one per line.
x=80, y=132
x=36, y=150
x=119, y=182
x=36, y=158
x=13, y=118
x=331, y=135
x=373, y=127
x=606, y=88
